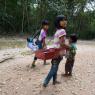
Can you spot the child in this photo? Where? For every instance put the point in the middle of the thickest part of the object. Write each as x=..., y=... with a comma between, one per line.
x=41, y=39
x=70, y=55
x=59, y=38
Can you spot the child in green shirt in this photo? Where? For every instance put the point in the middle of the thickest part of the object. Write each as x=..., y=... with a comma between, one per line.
x=71, y=52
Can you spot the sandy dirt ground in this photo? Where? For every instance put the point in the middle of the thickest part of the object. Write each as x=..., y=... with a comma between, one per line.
x=17, y=78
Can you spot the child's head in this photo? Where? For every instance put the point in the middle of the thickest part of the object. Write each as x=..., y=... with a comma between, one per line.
x=73, y=38
x=45, y=24
x=61, y=22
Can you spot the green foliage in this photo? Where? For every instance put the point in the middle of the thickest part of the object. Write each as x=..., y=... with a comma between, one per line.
x=25, y=16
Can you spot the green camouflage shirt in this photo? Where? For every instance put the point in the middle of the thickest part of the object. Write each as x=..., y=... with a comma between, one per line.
x=72, y=51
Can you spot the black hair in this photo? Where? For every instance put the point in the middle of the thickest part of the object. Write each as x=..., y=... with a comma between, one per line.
x=74, y=38
x=45, y=22
x=58, y=19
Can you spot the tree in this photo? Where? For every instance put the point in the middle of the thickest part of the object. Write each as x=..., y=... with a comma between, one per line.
x=25, y=16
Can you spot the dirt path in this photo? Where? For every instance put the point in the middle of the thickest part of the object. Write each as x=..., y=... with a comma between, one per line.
x=16, y=77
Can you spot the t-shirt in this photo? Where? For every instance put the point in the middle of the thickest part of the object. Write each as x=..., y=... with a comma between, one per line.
x=42, y=35
x=58, y=34
x=72, y=51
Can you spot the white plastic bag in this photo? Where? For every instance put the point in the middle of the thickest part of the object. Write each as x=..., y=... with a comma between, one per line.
x=50, y=46
x=33, y=46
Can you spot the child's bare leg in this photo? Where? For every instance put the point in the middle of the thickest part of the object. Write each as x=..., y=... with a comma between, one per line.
x=71, y=67
x=33, y=63
x=44, y=62
x=66, y=68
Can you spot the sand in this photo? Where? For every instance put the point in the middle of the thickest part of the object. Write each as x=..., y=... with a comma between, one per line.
x=17, y=78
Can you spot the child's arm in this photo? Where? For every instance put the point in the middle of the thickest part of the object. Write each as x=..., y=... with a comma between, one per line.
x=43, y=43
x=42, y=38
x=62, y=43
x=67, y=47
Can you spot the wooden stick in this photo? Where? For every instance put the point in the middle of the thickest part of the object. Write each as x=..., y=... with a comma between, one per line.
x=6, y=58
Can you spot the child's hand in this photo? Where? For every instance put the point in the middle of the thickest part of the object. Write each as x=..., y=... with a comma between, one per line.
x=62, y=53
x=65, y=46
x=62, y=40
